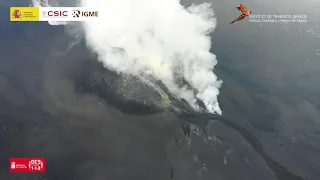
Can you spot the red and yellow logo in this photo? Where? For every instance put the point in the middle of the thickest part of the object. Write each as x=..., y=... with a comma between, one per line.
x=24, y=14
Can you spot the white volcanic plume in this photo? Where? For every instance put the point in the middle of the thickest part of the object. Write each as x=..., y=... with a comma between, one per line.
x=160, y=38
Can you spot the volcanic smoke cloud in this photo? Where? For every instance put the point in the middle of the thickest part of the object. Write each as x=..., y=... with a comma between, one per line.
x=160, y=38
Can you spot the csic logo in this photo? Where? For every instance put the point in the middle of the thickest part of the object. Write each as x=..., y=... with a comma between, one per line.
x=16, y=14
x=55, y=13
x=78, y=13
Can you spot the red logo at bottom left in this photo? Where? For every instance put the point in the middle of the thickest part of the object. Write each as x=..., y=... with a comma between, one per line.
x=27, y=164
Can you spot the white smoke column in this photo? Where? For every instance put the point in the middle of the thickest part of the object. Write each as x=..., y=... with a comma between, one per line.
x=160, y=38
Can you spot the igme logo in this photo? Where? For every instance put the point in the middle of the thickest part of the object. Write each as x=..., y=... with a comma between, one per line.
x=78, y=13
x=68, y=14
